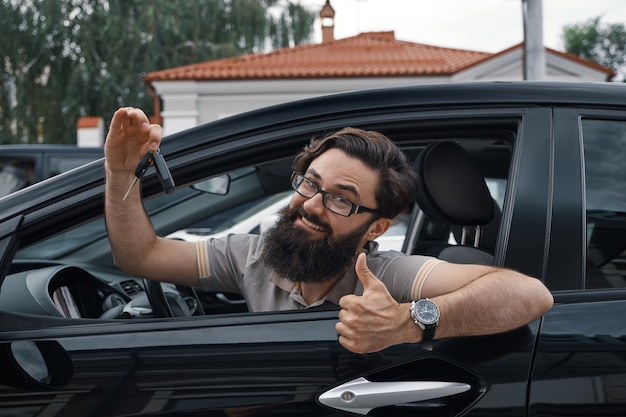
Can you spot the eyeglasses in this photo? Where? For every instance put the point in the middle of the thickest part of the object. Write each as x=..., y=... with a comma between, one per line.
x=336, y=203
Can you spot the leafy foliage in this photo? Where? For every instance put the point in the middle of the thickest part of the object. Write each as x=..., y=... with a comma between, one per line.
x=62, y=59
x=604, y=44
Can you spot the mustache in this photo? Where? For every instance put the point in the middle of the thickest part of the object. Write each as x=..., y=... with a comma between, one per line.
x=293, y=213
x=293, y=253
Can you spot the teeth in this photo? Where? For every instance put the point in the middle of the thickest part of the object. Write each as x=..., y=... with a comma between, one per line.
x=311, y=225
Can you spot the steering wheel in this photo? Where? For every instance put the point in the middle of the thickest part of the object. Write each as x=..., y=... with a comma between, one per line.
x=165, y=305
x=156, y=297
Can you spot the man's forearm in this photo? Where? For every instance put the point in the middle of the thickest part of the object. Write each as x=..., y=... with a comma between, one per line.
x=130, y=231
x=494, y=303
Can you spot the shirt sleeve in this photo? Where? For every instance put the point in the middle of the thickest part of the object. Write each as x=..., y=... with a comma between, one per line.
x=405, y=276
x=223, y=261
x=203, y=259
x=422, y=276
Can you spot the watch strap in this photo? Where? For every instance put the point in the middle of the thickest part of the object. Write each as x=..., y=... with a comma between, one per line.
x=429, y=332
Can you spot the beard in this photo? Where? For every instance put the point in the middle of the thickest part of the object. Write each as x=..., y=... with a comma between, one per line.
x=292, y=253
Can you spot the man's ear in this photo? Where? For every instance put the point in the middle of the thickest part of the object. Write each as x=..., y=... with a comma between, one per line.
x=377, y=228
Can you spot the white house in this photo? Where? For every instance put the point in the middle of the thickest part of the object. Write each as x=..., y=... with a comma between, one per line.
x=195, y=94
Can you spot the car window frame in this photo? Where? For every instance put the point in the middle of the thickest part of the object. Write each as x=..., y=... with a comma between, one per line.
x=476, y=118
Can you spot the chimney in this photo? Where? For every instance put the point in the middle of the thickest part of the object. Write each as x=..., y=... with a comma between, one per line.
x=90, y=131
x=328, y=22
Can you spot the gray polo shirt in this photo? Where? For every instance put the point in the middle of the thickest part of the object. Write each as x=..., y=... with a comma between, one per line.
x=233, y=264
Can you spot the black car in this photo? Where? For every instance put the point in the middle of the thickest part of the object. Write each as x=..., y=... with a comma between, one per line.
x=23, y=165
x=78, y=337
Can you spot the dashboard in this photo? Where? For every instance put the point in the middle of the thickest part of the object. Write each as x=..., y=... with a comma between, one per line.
x=77, y=292
x=66, y=291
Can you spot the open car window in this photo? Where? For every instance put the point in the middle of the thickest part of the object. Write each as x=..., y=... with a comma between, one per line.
x=192, y=214
x=72, y=264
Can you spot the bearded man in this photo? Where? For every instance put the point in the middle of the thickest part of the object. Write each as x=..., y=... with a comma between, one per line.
x=348, y=187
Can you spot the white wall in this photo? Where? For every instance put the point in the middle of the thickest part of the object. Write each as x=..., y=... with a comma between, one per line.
x=191, y=103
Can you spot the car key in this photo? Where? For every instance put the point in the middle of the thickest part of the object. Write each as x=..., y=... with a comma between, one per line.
x=139, y=171
x=163, y=172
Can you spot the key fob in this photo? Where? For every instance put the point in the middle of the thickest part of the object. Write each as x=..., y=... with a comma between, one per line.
x=143, y=165
x=163, y=172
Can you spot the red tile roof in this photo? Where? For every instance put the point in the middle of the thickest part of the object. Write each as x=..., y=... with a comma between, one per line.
x=374, y=54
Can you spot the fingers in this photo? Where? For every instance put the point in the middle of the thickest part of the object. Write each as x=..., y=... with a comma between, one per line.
x=116, y=120
x=154, y=138
x=138, y=122
x=133, y=123
x=366, y=323
x=359, y=341
x=130, y=136
x=353, y=342
x=129, y=120
x=355, y=328
x=136, y=119
x=147, y=136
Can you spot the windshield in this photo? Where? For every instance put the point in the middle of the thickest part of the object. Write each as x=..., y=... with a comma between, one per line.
x=239, y=214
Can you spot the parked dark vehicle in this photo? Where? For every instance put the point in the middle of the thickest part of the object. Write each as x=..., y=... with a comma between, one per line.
x=79, y=338
x=24, y=165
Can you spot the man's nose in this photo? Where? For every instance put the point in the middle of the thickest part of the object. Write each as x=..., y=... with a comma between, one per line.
x=315, y=204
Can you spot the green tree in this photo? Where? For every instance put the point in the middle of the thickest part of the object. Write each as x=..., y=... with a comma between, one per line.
x=604, y=44
x=62, y=59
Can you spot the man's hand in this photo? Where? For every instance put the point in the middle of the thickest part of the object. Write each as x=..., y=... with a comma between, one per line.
x=373, y=321
x=130, y=136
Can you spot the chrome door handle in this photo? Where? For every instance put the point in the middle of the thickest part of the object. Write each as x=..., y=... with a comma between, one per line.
x=361, y=396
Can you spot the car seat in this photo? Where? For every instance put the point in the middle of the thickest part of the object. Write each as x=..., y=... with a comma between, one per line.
x=452, y=195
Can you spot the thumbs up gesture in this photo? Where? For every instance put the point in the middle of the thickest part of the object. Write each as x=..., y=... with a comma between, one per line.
x=373, y=321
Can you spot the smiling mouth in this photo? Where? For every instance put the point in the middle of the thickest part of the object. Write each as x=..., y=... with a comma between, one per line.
x=312, y=225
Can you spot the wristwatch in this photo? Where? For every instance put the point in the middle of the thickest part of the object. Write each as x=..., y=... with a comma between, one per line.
x=425, y=313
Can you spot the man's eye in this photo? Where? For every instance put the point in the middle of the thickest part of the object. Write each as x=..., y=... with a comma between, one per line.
x=309, y=184
x=342, y=201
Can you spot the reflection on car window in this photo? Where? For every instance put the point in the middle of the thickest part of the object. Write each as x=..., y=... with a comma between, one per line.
x=604, y=146
x=64, y=243
x=78, y=237
x=15, y=174
x=226, y=220
x=63, y=163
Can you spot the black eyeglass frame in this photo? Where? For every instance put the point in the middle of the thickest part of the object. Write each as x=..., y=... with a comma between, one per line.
x=298, y=178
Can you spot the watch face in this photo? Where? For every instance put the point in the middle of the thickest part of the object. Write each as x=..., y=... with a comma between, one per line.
x=427, y=311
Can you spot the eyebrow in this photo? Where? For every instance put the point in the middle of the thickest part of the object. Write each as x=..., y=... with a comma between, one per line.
x=344, y=187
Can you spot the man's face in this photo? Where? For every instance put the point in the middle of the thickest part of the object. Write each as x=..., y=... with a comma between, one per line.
x=310, y=243
x=335, y=172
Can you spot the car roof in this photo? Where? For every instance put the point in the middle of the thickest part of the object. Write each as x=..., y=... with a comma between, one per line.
x=313, y=115
x=416, y=97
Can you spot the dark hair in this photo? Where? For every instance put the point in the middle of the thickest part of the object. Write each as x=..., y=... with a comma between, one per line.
x=397, y=179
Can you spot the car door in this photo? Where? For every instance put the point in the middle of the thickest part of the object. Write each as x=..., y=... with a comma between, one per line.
x=287, y=363
x=580, y=367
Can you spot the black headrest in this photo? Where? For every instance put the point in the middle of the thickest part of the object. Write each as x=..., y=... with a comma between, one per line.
x=450, y=187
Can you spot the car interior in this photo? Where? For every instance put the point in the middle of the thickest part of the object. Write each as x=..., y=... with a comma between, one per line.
x=70, y=275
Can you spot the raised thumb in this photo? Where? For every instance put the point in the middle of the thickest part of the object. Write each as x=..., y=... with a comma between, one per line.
x=364, y=274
